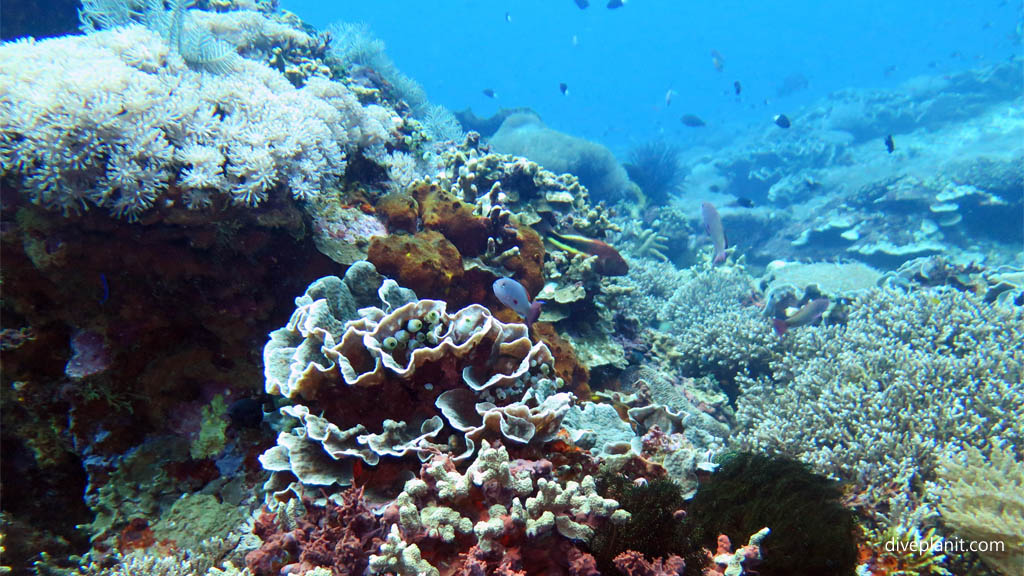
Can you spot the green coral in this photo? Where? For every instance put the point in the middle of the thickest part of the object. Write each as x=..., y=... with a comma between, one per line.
x=214, y=426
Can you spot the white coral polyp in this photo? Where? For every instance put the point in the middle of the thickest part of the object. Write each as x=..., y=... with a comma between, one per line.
x=113, y=118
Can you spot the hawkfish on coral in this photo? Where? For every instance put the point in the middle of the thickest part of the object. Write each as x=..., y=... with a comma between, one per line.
x=609, y=261
x=807, y=314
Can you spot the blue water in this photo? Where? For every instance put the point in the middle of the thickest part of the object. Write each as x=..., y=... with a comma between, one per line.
x=622, y=62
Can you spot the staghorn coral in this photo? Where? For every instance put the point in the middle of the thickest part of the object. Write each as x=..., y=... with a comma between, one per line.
x=888, y=553
x=700, y=312
x=148, y=129
x=911, y=378
x=982, y=499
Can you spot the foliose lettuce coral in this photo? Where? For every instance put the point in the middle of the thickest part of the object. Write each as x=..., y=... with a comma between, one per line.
x=453, y=379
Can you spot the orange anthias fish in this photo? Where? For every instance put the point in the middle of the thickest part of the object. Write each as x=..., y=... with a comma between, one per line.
x=609, y=261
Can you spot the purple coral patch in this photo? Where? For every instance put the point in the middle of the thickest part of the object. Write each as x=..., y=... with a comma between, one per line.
x=89, y=355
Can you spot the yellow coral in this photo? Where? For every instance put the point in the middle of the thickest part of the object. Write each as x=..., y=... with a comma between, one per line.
x=982, y=499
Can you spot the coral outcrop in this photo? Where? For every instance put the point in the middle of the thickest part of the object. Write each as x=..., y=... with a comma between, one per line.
x=116, y=119
x=487, y=380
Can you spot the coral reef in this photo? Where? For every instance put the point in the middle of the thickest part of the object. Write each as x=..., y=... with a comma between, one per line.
x=497, y=508
x=468, y=367
x=980, y=498
x=125, y=140
x=655, y=529
x=811, y=531
x=911, y=378
x=951, y=187
x=237, y=156
x=340, y=537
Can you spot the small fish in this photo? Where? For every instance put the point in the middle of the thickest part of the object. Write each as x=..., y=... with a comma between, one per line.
x=563, y=88
x=575, y=40
x=583, y=4
x=737, y=87
x=513, y=294
x=508, y=17
x=781, y=121
x=692, y=120
x=808, y=314
x=717, y=60
x=713, y=227
x=613, y=4
x=889, y=144
x=490, y=93
x=105, y=289
x=246, y=412
x=668, y=97
x=742, y=202
x=609, y=261
x=890, y=70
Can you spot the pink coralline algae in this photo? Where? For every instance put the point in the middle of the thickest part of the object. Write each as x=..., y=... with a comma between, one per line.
x=89, y=355
x=632, y=563
x=349, y=225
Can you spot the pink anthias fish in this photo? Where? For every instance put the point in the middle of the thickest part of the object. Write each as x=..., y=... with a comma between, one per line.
x=808, y=314
x=713, y=226
x=513, y=294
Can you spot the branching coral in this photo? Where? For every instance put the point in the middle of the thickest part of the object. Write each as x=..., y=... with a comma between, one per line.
x=983, y=500
x=497, y=508
x=911, y=378
x=700, y=310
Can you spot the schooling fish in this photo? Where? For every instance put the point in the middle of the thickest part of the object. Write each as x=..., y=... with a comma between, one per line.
x=512, y=294
x=808, y=314
x=563, y=88
x=742, y=202
x=668, y=97
x=889, y=144
x=613, y=4
x=508, y=17
x=714, y=229
x=609, y=261
x=737, y=87
x=583, y=4
x=692, y=120
x=781, y=121
x=490, y=93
